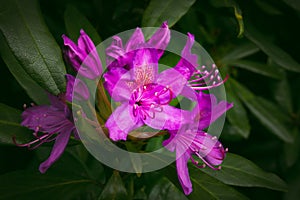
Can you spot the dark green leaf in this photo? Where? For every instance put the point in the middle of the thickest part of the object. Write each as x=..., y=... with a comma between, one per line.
x=10, y=126
x=204, y=186
x=239, y=171
x=32, y=44
x=164, y=189
x=114, y=189
x=75, y=20
x=36, y=92
x=169, y=10
x=24, y=185
x=256, y=67
x=283, y=95
x=237, y=116
x=279, y=56
x=291, y=151
x=293, y=3
x=265, y=111
x=239, y=52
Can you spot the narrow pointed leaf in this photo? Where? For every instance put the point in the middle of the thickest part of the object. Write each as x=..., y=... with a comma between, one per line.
x=259, y=68
x=75, y=20
x=279, y=56
x=239, y=171
x=169, y=10
x=32, y=44
x=10, y=126
x=238, y=115
x=239, y=52
x=265, y=111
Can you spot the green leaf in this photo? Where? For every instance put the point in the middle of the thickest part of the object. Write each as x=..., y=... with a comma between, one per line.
x=256, y=67
x=10, y=125
x=269, y=114
x=283, y=95
x=164, y=189
x=75, y=20
x=34, y=91
x=25, y=185
x=239, y=52
x=204, y=186
x=237, y=116
x=291, y=151
x=154, y=143
x=279, y=56
x=239, y=171
x=114, y=189
x=32, y=44
x=169, y=10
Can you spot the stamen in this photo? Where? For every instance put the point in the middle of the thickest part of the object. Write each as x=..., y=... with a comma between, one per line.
x=214, y=138
x=226, y=150
x=24, y=106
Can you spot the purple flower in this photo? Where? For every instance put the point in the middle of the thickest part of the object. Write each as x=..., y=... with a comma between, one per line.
x=83, y=57
x=77, y=89
x=119, y=56
x=203, y=146
x=144, y=93
x=49, y=123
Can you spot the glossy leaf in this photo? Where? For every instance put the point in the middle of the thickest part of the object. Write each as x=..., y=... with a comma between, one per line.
x=283, y=95
x=10, y=119
x=75, y=20
x=239, y=171
x=114, y=188
x=32, y=44
x=239, y=52
x=164, y=189
x=204, y=186
x=261, y=109
x=238, y=115
x=259, y=68
x=279, y=56
x=34, y=91
x=169, y=10
x=24, y=185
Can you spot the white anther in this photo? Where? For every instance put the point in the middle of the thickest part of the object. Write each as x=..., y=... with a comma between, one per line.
x=226, y=150
x=214, y=66
x=219, y=78
x=24, y=106
x=214, y=83
x=211, y=77
x=145, y=87
x=203, y=66
x=156, y=94
x=214, y=138
x=220, y=145
x=152, y=106
x=216, y=71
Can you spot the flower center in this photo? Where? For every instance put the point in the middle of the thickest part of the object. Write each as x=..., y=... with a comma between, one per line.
x=150, y=99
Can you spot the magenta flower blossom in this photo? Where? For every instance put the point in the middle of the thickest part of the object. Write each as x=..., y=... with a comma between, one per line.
x=76, y=88
x=49, y=123
x=191, y=140
x=83, y=57
x=203, y=146
x=133, y=80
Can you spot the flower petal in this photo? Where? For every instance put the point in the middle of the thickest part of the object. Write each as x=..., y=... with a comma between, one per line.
x=121, y=122
x=81, y=92
x=135, y=40
x=173, y=79
x=170, y=118
x=188, y=62
x=182, y=170
x=58, y=148
x=160, y=39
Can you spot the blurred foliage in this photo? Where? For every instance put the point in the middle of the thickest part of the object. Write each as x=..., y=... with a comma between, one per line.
x=255, y=42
